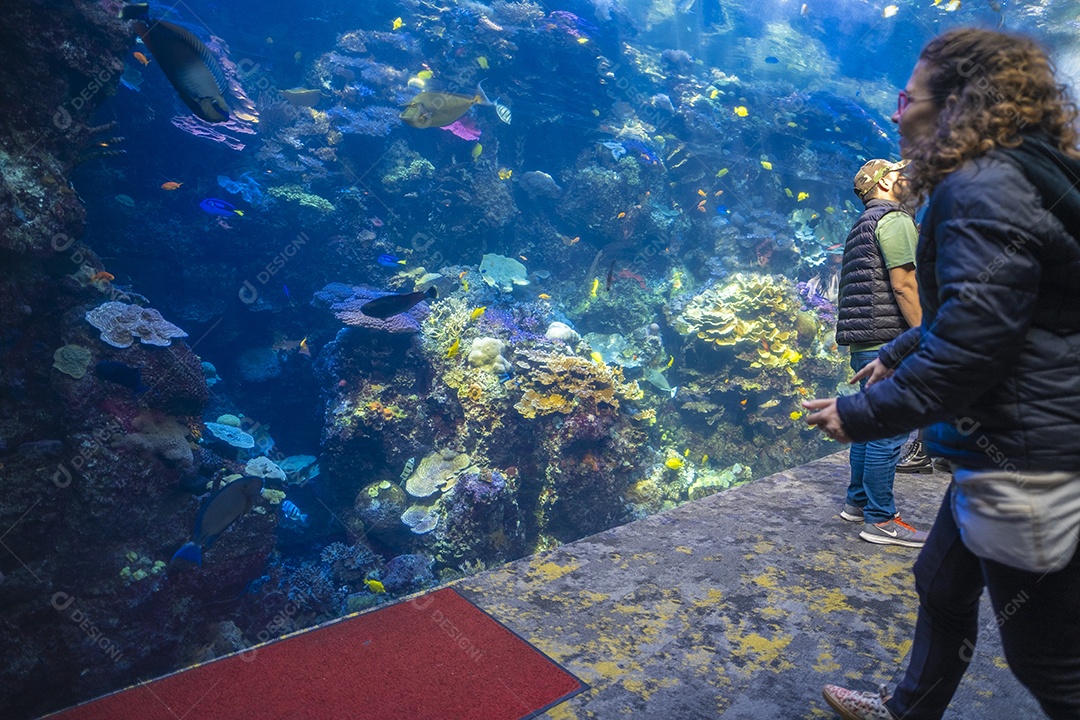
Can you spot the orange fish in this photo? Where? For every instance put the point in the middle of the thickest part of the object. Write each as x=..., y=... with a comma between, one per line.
x=102, y=277
x=743, y=402
x=701, y=192
x=620, y=216
x=463, y=274
x=141, y=58
x=171, y=185
x=544, y=296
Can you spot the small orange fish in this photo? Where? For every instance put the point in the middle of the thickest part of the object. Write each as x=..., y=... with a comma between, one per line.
x=718, y=193
x=743, y=402
x=765, y=345
x=620, y=216
x=141, y=58
x=102, y=277
x=171, y=185
x=701, y=206
x=463, y=274
x=544, y=296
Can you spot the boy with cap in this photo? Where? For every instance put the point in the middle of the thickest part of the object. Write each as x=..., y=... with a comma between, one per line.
x=878, y=301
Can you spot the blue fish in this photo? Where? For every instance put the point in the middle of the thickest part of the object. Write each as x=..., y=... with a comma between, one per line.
x=389, y=261
x=645, y=155
x=723, y=210
x=220, y=208
x=285, y=288
x=772, y=60
x=292, y=512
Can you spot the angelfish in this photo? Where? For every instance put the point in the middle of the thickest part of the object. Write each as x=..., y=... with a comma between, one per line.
x=222, y=509
x=186, y=61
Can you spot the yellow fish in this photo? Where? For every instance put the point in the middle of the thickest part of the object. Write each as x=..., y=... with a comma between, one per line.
x=465, y=285
x=686, y=452
x=830, y=209
x=722, y=172
x=582, y=40
x=741, y=111
x=397, y=24
x=374, y=585
x=766, y=164
x=477, y=313
x=705, y=458
x=477, y=149
x=670, y=362
x=505, y=173
x=952, y=6
x=791, y=124
x=787, y=191
x=453, y=351
x=889, y=11
x=438, y=109
x=702, y=193
x=674, y=462
x=595, y=287
x=803, y=196
x=482, y=62
x=597, y=357
x=544, y=296
x=713, y=94
x=425, y=74
x=246, y=117
x=769, y=404
x=795, y=415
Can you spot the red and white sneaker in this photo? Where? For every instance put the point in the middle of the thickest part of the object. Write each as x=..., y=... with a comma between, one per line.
x=853, y=705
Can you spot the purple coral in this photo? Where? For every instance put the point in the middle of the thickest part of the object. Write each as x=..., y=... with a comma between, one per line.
x=813, y=299
x=346, y=308
x=121, y=323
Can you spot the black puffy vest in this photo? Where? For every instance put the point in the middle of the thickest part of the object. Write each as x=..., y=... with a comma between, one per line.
x=868, y=311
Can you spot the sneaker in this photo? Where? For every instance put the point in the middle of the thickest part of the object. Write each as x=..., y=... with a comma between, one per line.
x=852, y=513
x=852, y=705
x=915, y=460
x=893, y=532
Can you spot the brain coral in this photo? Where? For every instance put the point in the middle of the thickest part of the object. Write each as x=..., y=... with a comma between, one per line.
x=121, y=323
x=71, y=360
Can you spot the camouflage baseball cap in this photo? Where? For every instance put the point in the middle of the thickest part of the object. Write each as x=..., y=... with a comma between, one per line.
x=871, y=173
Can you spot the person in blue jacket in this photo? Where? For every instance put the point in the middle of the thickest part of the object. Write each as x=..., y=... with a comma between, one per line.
x=993, y=370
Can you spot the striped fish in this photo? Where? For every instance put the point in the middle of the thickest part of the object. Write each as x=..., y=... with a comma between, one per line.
x=503, y=112
x=292, y=512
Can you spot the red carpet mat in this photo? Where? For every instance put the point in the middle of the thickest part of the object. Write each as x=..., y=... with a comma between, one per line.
x=437, y=656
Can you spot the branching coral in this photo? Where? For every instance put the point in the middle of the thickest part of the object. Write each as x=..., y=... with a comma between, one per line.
x=559, y=383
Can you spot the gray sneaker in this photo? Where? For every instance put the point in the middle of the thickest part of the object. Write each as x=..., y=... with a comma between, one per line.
x=893, y=532
x=852, y=513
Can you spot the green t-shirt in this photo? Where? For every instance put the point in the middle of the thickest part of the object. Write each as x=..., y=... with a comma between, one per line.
x=897, y=238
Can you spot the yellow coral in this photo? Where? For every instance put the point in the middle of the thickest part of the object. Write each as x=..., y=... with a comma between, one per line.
x=572, y=376
x=533, y=403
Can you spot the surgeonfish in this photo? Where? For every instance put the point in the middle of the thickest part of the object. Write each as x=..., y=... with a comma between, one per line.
x=214, y=206
x=439, y=109
x=222, y=509
x=390, y=305
x=292, y=512
x=656, y=378
x=186, y=61
x=503, y=112
x=374, y=586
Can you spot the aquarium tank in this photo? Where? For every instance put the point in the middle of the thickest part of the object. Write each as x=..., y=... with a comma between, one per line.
x=311, y=306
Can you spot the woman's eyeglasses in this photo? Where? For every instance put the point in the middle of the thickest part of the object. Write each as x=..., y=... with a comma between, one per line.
x=903, y=100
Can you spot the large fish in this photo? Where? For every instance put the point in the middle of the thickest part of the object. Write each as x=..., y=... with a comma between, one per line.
x=222, y=509
x=390, y=305
x=439, y=109
x=187, y=62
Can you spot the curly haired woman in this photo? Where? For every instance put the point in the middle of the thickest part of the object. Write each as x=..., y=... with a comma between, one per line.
x=994, y=368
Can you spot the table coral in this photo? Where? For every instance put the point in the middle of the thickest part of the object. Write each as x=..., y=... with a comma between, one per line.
x=121, y=323
x=435, y=472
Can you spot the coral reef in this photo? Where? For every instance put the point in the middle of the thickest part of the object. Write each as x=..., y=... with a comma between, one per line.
x=120, y=323
x=345, y=302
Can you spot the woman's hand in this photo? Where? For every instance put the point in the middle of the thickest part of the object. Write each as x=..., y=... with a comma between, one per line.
x=824, y=416
x=873, y=372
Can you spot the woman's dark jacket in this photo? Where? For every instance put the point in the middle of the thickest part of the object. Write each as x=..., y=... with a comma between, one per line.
x=996, y=361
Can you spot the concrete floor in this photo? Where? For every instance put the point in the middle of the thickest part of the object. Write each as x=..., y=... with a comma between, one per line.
x=741, y=605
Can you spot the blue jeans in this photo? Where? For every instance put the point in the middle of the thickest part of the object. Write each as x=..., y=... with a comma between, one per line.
x=1037, y=616
x=873, y=465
